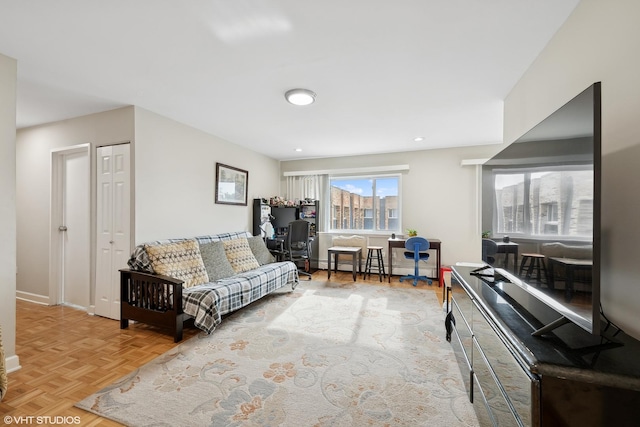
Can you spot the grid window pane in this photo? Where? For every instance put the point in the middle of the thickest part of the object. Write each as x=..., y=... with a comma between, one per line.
x=544, y=202
x=365, y=203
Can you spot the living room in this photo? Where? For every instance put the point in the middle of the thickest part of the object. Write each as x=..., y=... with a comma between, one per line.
x=174, y=163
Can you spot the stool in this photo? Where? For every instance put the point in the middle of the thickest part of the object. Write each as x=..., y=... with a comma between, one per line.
x=444, y=286
x=443, y=270
x=536, y=262
x=374, y=252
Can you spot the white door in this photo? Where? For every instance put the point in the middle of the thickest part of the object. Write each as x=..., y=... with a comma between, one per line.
x=74, y=229
x=113, y=226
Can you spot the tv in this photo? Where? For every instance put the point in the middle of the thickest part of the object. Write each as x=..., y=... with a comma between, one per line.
x=543, y=191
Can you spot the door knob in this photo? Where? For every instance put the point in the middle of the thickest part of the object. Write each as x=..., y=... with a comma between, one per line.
x=62, y=228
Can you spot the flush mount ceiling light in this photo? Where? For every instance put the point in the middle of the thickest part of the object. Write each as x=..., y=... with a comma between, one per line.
x=418, y=138
x=300, y=96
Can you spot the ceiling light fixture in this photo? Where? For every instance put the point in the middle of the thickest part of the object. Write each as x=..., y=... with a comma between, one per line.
x=300, y=96
x=298, y=150
x=418, y=138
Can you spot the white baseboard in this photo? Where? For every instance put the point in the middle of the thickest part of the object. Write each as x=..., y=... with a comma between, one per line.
x=28, y=296
x=91, y=311
x=12, y=363
x=397, y=271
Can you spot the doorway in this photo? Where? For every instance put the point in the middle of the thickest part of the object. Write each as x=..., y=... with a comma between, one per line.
x=70, y=250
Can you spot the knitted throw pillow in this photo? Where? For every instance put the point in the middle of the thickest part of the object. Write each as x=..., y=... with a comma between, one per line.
x=260, y=251
x=215, y=261
x=181, y=260
x=239, y=255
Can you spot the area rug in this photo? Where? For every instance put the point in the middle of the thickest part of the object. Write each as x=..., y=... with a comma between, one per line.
x=323, y=355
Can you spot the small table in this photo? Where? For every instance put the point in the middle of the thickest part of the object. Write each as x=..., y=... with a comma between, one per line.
x=570, y=266
x=354, y=251
x=507, y=248
x=434, y=244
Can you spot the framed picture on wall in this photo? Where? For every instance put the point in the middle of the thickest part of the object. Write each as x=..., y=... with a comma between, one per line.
x=231, y=185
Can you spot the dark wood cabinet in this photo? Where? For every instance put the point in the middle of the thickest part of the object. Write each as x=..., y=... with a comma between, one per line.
x=281, y=215
x=565, y=378
x=309, y=211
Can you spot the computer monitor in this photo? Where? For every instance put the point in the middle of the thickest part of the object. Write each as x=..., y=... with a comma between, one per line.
x=282, y=217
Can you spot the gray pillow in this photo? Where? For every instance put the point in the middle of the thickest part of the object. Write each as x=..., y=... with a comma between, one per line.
x=260, y=250
x=215, y=261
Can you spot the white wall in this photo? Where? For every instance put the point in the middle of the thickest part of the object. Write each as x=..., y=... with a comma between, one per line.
x=599, y=42
x=8, y=73
x=33, y=183
x=174, y=168
x=438, y=194
x=175, y=178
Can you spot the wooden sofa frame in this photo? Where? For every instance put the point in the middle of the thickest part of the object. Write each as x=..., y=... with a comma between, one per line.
x=152, y=298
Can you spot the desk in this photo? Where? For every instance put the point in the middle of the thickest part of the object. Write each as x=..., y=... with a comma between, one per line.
x=570, y=265
x=507, y=248
x=434, y=244
x=355, y=252
x=276, y=247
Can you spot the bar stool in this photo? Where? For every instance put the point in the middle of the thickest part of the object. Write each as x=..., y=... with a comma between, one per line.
x=374, y=252
x=536, y=262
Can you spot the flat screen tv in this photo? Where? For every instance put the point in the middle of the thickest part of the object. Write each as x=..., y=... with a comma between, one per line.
x=543, y=192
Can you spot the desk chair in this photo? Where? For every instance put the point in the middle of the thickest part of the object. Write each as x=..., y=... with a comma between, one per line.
x=416, y=248
x=298, y=246
x=489, y=251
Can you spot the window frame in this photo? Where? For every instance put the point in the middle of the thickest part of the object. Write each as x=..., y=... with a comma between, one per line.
x=376, y=211
x=526, y=233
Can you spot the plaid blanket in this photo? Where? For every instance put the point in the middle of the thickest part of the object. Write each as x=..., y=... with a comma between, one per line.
x=207, y=303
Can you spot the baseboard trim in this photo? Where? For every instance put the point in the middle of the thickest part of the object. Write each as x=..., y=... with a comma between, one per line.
x=28, y=296
x=12, y=363
x=397, y=271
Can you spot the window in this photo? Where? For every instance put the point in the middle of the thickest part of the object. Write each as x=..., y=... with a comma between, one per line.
x=365, y=203
x=544, y=202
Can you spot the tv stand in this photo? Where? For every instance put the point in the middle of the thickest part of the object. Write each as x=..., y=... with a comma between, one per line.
x=513, y=377
x=551, y=326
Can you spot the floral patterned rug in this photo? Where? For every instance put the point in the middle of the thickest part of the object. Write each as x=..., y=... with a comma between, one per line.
x=325, y=354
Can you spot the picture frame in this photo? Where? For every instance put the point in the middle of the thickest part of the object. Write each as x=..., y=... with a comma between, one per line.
x=231, y=185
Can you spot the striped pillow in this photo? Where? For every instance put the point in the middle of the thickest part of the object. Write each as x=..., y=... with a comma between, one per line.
x=239, y=255
x=180, y=260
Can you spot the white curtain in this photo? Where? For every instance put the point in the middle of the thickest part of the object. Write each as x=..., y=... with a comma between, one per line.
x=313, y=187
x=305, y=186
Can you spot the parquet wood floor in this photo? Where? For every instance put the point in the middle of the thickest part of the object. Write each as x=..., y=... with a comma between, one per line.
x=67, y=355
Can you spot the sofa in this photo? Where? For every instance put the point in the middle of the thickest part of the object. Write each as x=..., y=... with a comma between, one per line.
x=200, y=278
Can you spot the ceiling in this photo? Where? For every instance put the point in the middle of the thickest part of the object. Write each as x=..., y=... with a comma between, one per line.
x=384, y=72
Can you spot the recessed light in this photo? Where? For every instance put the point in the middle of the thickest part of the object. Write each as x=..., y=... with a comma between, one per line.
x=300, y=96
x=298, y=150
x=418, y=138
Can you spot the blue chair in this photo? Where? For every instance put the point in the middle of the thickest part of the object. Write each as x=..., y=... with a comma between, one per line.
x=416, y=248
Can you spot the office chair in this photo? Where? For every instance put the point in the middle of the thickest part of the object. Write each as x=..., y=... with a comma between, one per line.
x=489, y=251
x=298, y=246
x=416, y=248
